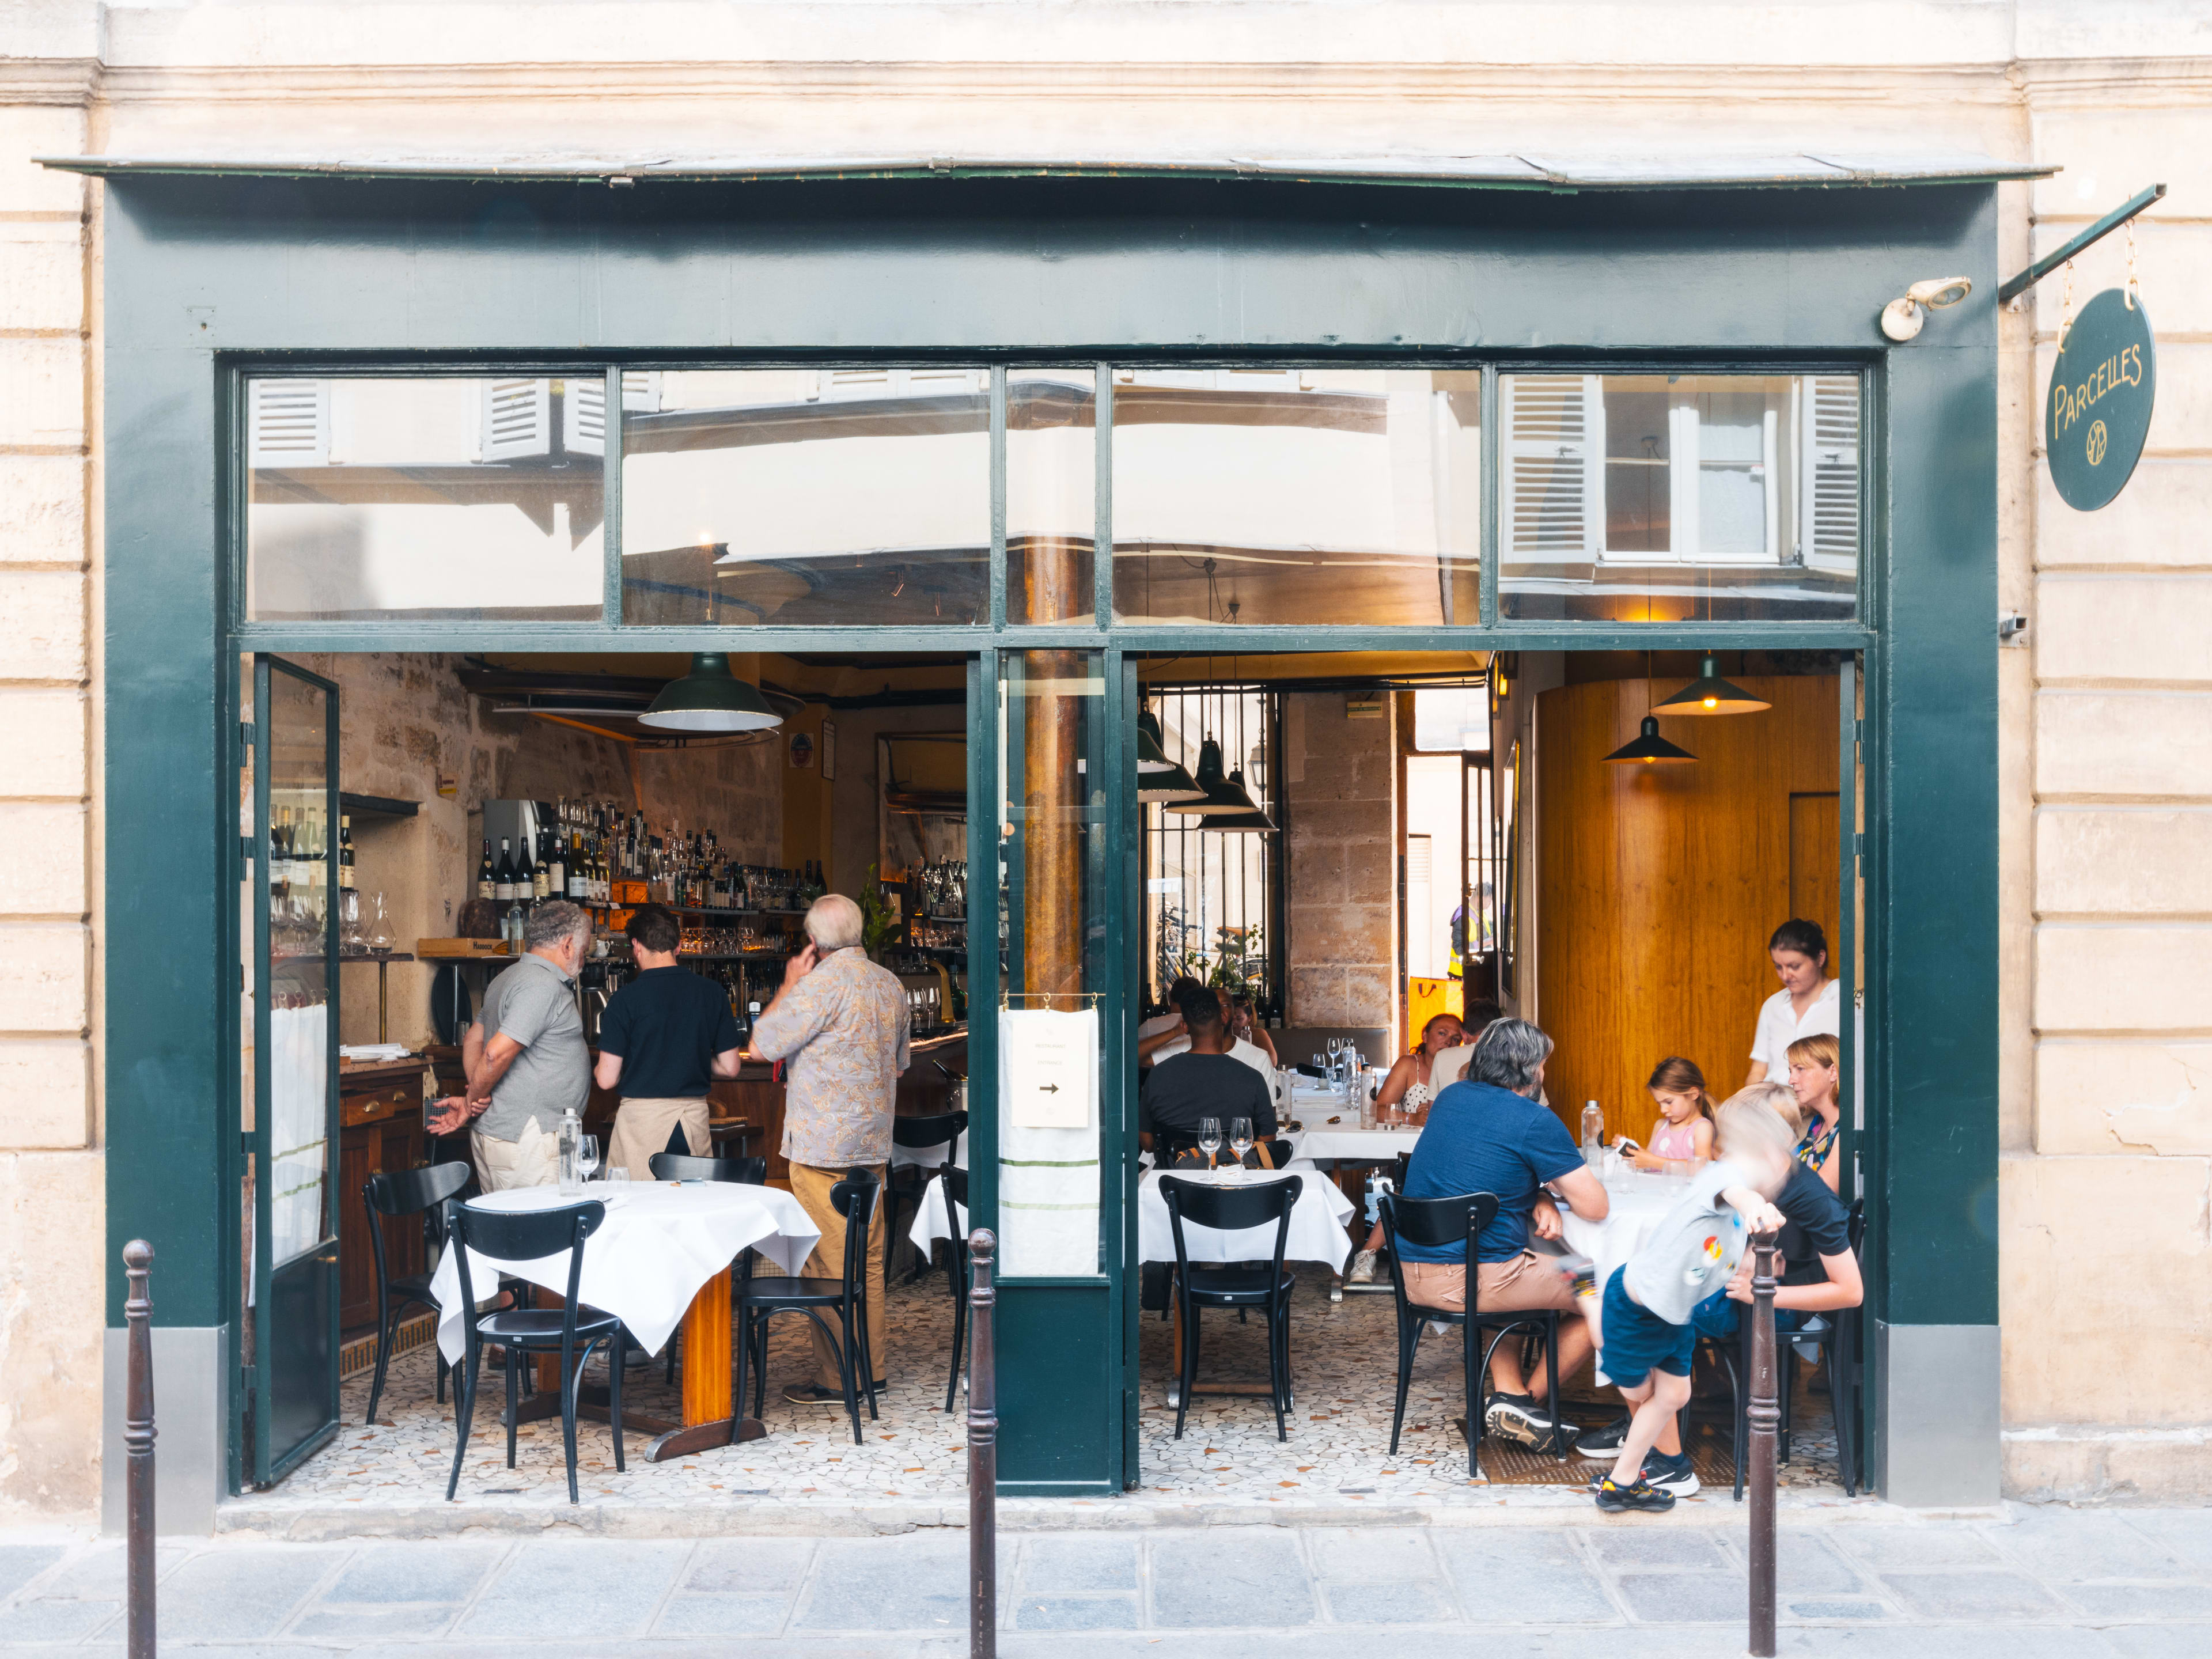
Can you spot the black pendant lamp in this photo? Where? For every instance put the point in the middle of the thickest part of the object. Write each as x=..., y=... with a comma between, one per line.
x=1650, y=749
x=1256, y=822
x=1216, y=795
x=1709, y=694
x=710, y=699
x=1160, y=780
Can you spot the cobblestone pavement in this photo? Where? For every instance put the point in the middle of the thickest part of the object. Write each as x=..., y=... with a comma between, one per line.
x=2023, y=1584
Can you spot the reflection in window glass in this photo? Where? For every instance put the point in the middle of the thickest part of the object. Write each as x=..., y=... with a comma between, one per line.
x=1678, y=498
x=1296, y=496
x=1448, y=717
x=1052, y=490
x=427, y=497
x=802, y=497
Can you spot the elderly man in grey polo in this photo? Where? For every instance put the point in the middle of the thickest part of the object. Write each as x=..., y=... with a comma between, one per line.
x=526, y=1056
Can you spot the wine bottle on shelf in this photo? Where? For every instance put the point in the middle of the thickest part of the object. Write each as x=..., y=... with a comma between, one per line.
x=526, y=876
x=487, y=885
x=578, y=880
x=503, y=874
x=345, y=853
x=557, y=867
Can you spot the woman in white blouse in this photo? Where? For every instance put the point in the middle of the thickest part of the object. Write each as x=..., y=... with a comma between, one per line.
x=1806, y=1004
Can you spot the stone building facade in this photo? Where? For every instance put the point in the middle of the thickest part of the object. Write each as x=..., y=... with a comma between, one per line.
x=2105, y=1204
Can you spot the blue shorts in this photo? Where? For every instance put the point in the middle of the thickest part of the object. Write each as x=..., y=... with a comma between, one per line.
x=1635, y=1341
x=1718, y=1317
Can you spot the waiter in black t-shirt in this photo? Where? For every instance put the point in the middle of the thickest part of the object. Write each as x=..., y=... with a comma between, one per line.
x=1205, y=1082
x=664, y=1038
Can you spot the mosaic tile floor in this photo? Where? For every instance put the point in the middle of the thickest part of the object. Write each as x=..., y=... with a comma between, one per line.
x=1336, y=1453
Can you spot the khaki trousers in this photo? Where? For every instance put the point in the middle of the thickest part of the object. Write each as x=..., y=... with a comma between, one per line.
x=532, y=1161
x=642, y=1125
x=811, y=1186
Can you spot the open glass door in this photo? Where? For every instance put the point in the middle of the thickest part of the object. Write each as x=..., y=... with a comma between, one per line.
x=293, y=1098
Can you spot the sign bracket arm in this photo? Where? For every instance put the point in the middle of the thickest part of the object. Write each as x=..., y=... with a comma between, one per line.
x=2104, y=226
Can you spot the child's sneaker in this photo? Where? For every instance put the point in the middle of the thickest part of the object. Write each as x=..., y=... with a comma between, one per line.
x=1642, y=1495
x=1670, y=1474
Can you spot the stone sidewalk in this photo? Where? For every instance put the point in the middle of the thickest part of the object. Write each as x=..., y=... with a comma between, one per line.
x=2023, y=1583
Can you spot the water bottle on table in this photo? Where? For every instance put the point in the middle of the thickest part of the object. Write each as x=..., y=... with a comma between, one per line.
x=1593, y=1134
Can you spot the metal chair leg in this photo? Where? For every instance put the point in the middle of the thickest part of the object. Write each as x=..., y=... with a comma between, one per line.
x=464, y=1395
x=513, y=1386
x=383, y=1359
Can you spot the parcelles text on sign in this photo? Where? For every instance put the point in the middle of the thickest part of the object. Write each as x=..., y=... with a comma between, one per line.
x=2097, y=412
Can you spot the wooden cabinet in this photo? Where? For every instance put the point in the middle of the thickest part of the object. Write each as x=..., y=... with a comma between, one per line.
x=379, y=1128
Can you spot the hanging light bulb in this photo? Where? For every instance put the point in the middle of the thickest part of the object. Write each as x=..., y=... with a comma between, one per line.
x=1709, y=694
x=710, y=698
x=1650, y=749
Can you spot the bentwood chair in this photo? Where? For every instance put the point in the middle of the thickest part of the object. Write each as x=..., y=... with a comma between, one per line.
x=571, y=1330
x=956, y=1268
x=1243, y=1286
x=426, y=1193
x=1837, y=1333
x=683, y=1166
x=760, y=1300
x=1432, y=1223
x=908, y=1181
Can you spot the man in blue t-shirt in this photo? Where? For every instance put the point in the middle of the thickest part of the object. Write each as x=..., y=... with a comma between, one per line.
x=1490, y=1134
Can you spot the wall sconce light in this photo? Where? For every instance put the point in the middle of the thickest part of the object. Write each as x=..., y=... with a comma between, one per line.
x=1901, y=318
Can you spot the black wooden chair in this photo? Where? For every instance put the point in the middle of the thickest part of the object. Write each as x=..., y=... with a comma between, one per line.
x=684, y=1166
x=1837, y=1333
x=956, y=1268
x=1432, y=1222
x=1243, y=1286
x=571, y=1331
x=760, y=1300
x=908, y=1181
x=402, y=1192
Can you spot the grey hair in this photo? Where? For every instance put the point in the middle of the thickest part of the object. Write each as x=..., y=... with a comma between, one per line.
x=1508, y=1054
x=833, y=922
x=1760, y=1114
x=553, y=921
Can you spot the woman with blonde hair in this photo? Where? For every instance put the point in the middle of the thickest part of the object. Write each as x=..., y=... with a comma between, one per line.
x=1815, y=1079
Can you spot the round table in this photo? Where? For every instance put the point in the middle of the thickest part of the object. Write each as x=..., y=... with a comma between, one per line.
x=661, y=1256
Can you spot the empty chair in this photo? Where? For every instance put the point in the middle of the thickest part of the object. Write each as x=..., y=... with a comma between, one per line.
x=908, y=1181
x=956, y=1268
x=1243, y=1287
x=1436, y=1221
x=571, y=1331
x=683, y=1166
x=760, y=1300
x=404, y=1192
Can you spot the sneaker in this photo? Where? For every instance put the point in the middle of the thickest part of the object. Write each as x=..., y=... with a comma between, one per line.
x=1517, y=1418
x=1669, y=1474
x=1603, y=1441
x=1363, y=1269
x=1642, y=1496
x=814, y=1393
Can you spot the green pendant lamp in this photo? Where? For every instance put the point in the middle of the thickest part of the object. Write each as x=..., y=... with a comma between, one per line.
x=1650, y=749
x=1160, y=780
x=710, y=698
x=1709, y=694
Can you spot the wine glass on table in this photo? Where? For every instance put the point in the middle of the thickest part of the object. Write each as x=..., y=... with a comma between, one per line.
x=1209, y=1138
x=587, y=1155
x=1240, y=1138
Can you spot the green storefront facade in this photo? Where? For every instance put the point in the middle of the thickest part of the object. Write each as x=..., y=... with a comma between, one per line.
x=214, y=272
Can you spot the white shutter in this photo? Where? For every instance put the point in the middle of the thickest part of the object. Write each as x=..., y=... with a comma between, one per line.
x=583, y=410
x=641, y=390
x=518, y=420
x=1828, y=518
x=1554, y=481
x=288, y=424
x=839, y=384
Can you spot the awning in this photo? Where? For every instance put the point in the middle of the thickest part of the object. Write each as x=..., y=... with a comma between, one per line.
x=1544, y=170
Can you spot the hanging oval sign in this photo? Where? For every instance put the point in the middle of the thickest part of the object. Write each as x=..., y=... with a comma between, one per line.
x=2097, y=413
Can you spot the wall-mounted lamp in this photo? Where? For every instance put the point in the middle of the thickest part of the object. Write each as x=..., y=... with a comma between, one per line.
x=1901, y=318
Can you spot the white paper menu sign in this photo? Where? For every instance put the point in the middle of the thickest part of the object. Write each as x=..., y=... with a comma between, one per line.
x=1050, y=1063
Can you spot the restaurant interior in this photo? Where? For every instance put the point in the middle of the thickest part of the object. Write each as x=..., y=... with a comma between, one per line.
x=1415, y=834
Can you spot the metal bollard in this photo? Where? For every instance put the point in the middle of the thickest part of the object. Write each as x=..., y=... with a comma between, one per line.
x=1764, y=1416
x=138, y=1450
x=982, y=1452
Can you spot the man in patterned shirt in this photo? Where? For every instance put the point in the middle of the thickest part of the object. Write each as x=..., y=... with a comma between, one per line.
x=843, y=1023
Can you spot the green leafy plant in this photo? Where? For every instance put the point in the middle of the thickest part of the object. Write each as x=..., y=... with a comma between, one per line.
x=876, y=922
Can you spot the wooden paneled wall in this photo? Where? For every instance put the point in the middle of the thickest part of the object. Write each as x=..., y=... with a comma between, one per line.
x=1659, y=885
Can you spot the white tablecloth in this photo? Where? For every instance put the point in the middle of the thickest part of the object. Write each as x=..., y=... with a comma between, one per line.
x=1351, y=1143
x=930, y=1221
x=1317, y=1225
x=1636, y=1204
x=660, y=1244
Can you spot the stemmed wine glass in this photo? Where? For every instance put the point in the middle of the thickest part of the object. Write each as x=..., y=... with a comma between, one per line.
x=1335, y=1053
x=588, y=1156
x=1240, y=1138
x=1209, y=1138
